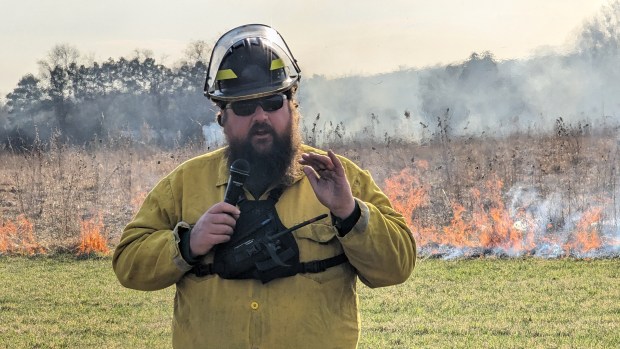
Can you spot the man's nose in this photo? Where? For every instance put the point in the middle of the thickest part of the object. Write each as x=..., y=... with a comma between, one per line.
x=260, y=114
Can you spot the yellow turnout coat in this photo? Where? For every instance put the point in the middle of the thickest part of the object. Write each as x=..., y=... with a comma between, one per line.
x=314, y=310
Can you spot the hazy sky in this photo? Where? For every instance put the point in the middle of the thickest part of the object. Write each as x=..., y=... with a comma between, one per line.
x=332, y=38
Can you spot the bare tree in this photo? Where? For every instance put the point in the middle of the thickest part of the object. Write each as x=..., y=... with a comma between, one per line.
x=61, y=56
x=601, y=35
x=142, y=54
x=197, y=51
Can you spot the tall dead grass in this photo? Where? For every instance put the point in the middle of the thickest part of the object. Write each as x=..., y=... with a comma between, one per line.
x=57, y=188
x=73, y=194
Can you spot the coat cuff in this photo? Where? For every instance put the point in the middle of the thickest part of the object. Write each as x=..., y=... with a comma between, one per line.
x=182, y=229
x=362, y=222
x=345, y=225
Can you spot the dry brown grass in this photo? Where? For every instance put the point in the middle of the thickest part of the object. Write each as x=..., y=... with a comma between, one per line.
x=58, y=187
x=62, y=189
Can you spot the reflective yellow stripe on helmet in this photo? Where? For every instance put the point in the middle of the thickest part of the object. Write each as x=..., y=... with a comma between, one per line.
x=277, y=64
x=226, y=74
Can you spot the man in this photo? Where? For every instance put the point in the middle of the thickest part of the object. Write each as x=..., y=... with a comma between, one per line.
x=242, y=279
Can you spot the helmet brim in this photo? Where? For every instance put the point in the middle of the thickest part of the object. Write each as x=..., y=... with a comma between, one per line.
x=276, y=44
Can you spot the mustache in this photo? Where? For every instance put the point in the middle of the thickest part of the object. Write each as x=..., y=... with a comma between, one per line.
x=261, y=128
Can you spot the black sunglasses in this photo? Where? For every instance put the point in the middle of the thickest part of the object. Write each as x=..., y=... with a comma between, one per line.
x=248, y=107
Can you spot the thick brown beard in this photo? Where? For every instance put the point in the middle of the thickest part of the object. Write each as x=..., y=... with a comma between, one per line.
x=275, y=167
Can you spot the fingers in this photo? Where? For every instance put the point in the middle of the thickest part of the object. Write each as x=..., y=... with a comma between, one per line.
x=312, y=176
x=336, y=163
x=224, y=207
x=215, y=238
x=214, y=227
x=321, y=163
x=219, y=219
x=316, y=161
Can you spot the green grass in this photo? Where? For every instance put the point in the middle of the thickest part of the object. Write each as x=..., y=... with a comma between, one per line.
x=520, y=303
x=61, y=302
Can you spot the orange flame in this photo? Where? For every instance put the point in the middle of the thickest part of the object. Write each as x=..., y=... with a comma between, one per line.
x=460, y=232
x=18, y=237
x=485, y=223
x=586, y=236
x=407, y=195
x=91, y=238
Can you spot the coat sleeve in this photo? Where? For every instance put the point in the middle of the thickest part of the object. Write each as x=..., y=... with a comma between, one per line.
x=380, y=246
x=148, y=256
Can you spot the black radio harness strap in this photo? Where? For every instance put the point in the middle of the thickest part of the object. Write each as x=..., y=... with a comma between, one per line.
x=316, y=266
x=263, y=248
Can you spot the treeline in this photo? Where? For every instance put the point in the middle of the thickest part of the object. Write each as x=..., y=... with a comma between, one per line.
x=140, y=99
x=137, y=99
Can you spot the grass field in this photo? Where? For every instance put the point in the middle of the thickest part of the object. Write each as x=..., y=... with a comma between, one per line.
x=61, y=302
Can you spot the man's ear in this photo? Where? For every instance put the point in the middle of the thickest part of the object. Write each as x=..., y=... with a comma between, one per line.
x=221, y=117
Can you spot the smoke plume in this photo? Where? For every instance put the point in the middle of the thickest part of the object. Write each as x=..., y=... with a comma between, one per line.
x=480, y=95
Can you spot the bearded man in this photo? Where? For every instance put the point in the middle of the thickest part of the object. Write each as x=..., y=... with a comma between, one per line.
x=277, y=268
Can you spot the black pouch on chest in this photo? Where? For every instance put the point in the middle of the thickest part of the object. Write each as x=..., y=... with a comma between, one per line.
x=256, y=250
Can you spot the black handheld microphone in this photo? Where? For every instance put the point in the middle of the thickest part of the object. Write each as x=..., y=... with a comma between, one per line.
x=239, y=172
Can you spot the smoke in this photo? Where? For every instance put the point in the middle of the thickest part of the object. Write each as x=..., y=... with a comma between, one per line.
x=213, y=136
x=532, y=224
x=480, y=95
x=554, y=228
x=600, y=36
